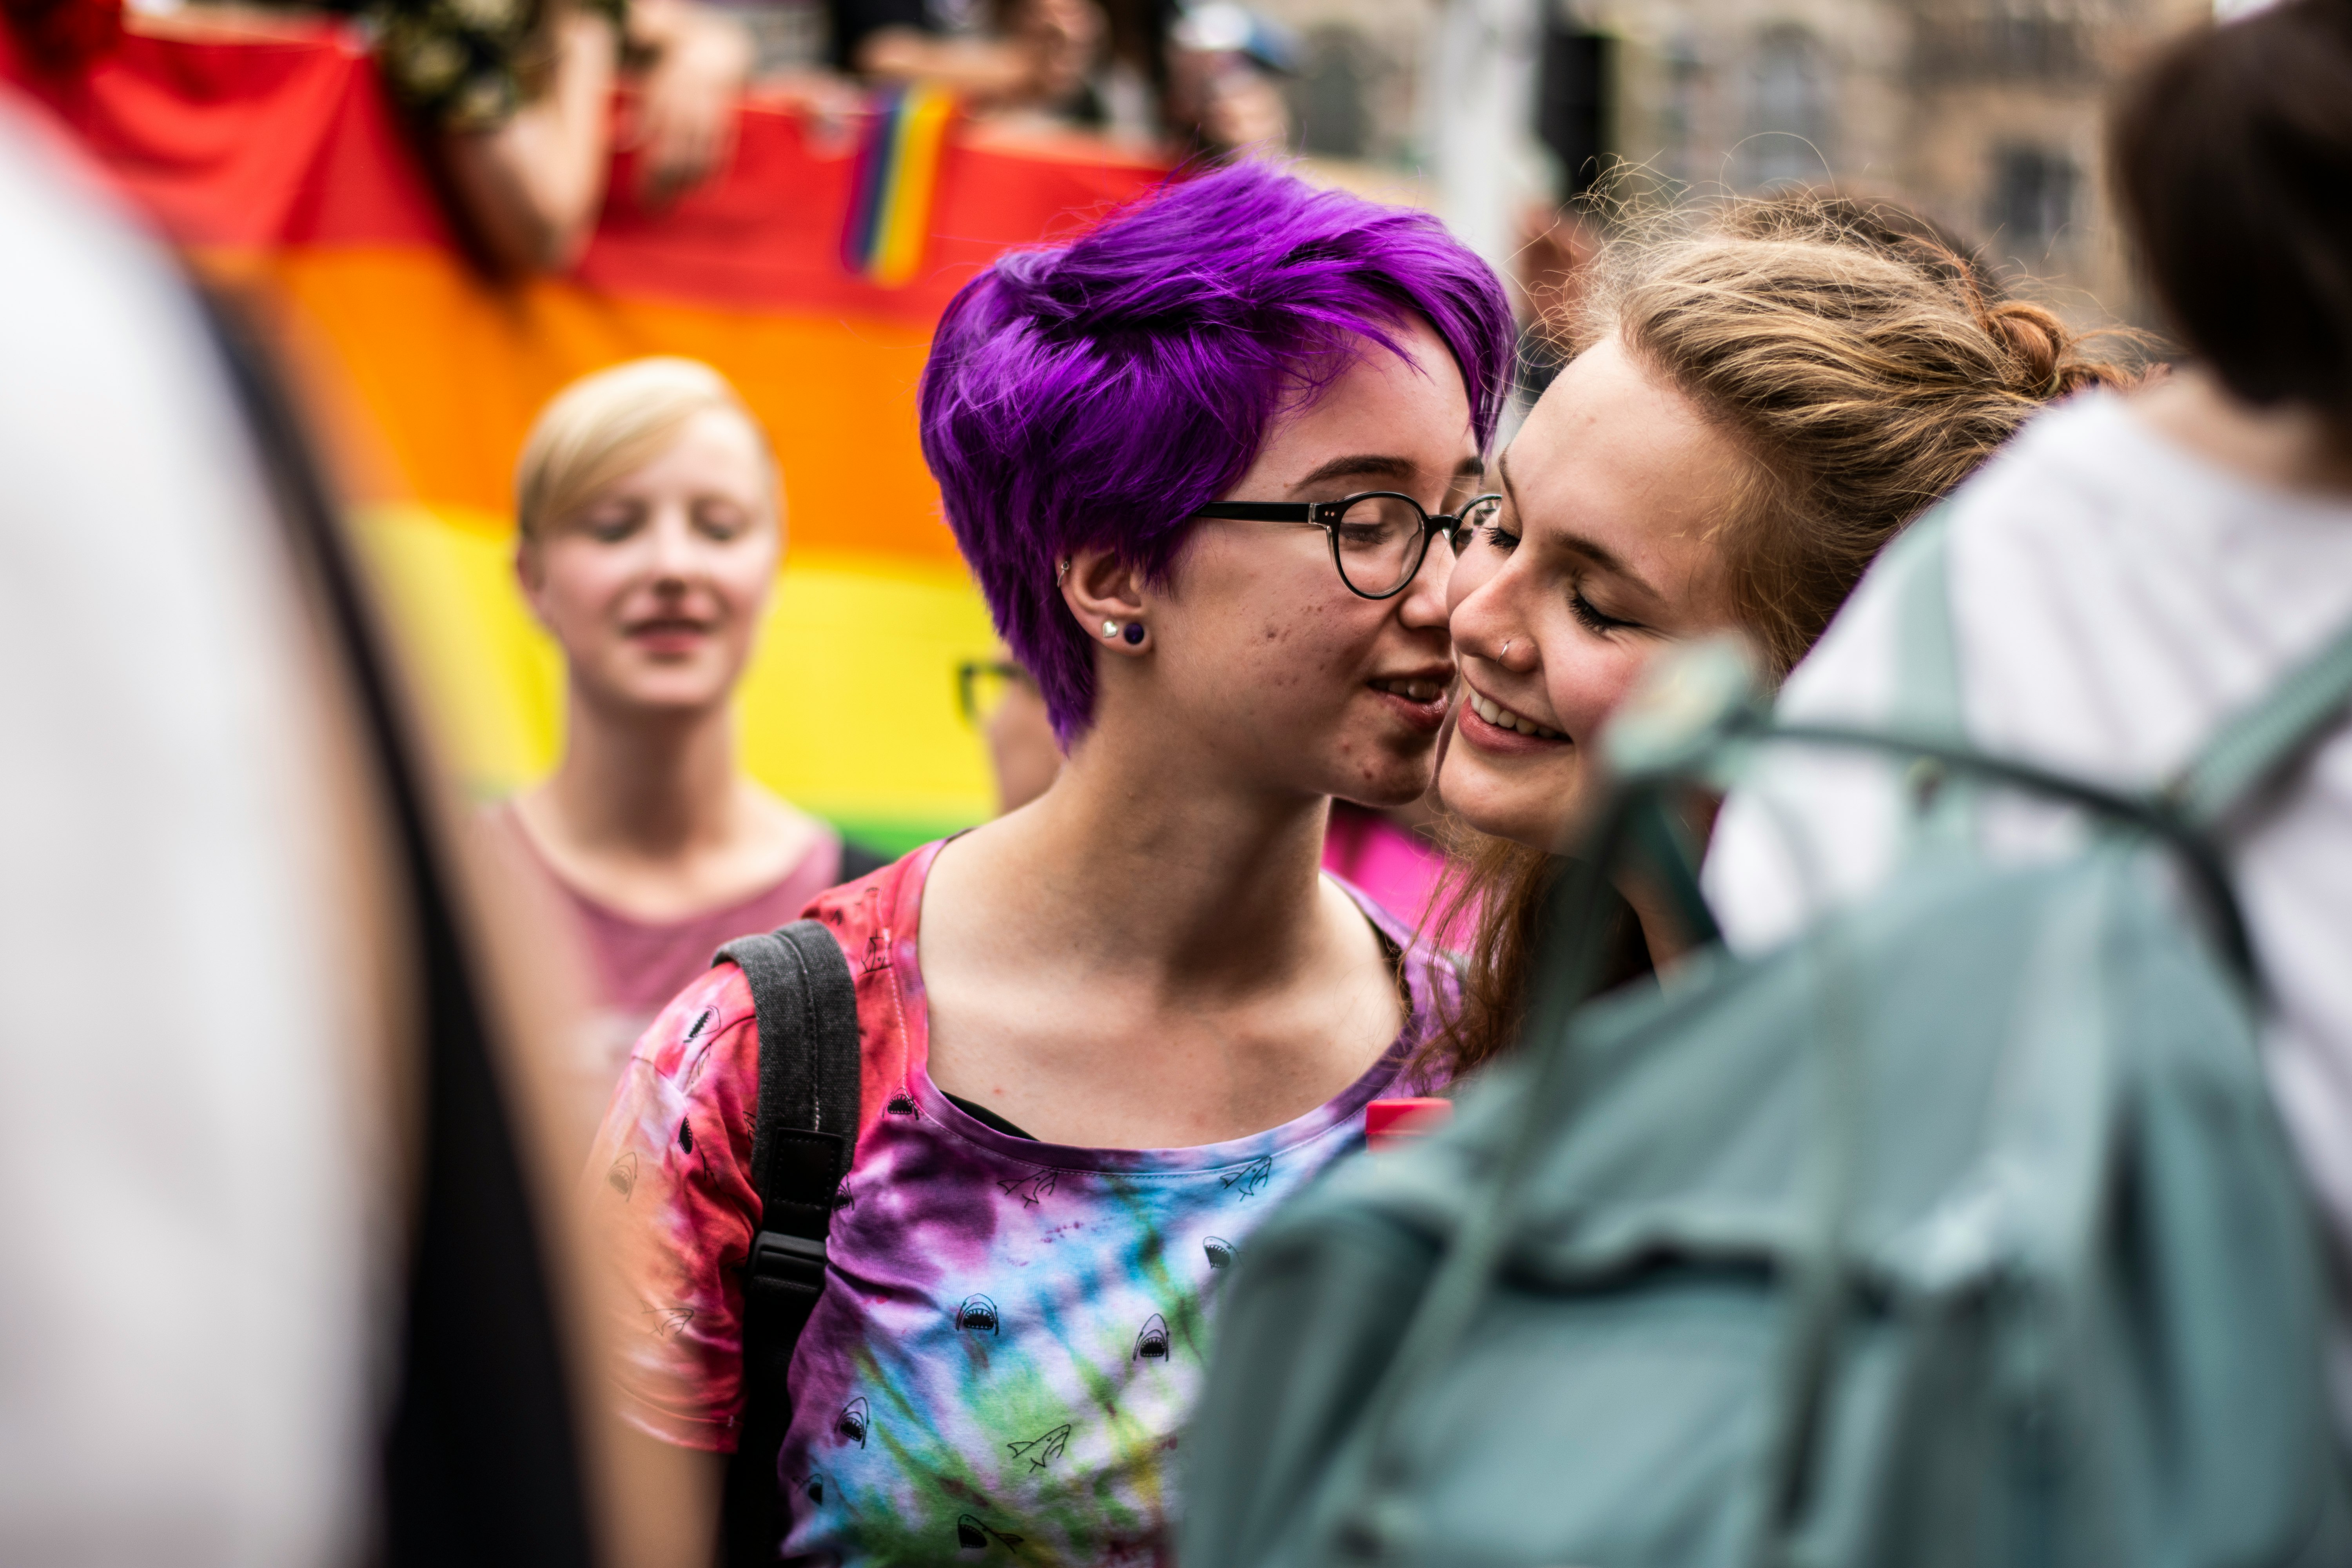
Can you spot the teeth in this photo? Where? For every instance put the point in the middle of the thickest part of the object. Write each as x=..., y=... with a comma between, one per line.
x=1502, y=717
x=1416, y=690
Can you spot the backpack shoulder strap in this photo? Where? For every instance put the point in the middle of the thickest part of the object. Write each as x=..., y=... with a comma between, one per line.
x=803, y=1136
x=2260, y=741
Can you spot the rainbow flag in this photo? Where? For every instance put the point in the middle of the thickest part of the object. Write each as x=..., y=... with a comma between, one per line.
x=278, y=164
x=890, y=194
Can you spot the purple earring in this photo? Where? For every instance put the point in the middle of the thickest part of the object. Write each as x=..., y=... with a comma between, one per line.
x=1134, y=633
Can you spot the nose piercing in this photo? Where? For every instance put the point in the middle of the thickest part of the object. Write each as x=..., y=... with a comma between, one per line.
x=1506, y=648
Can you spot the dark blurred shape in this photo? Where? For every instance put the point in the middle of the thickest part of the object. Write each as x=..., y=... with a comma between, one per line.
x=481, y=1464
x=1573, y=111
x=1327, y=99
x=64, y=37
x=2032, y=198
x=2232, y=158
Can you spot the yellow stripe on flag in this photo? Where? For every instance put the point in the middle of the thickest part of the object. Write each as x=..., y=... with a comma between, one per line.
x=906, y=210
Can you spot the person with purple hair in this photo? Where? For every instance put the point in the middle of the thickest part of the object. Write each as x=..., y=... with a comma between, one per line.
x=1207, y=462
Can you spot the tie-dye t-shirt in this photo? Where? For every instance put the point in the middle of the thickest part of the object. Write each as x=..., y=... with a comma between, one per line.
x=1011, y=1335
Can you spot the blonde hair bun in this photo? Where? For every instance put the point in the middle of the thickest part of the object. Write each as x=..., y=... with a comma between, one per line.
x=605, y=426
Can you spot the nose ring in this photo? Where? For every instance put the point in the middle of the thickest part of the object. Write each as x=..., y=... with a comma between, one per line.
x=1506, y=648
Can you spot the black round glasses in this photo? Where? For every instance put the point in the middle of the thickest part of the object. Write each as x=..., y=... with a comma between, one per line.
x=1378, y=539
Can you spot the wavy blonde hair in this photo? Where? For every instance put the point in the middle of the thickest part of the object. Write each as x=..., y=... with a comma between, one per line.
x=608, y=425
x=1864, y=362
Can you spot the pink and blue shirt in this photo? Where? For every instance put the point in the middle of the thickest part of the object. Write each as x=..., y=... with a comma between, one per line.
x=1012, y=1332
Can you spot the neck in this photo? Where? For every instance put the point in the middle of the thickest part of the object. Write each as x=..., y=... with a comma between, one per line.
x=2288, y=445
x=639, y=784
x=1141, y=859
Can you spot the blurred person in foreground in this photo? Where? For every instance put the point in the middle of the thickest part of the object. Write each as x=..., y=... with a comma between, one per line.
x=1748, y=415
x=650, y=530
x=279, y=1280
x=192, y=1173
x=1104, y=1033
x=2132, y=570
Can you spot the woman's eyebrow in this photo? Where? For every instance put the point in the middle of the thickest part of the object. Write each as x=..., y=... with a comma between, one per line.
x=1592, y=550
x=1361, y=465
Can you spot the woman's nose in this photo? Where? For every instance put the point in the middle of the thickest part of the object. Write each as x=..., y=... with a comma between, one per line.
x=674, y=553
x=1483, y=628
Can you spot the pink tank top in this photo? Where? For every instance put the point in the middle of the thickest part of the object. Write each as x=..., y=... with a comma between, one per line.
x=638, y=965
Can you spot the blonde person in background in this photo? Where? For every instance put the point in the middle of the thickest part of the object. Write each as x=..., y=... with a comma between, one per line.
x=651, y=527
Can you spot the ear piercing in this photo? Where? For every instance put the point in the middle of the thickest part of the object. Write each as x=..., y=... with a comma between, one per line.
x=1061, y=572
x=1133, y=633
x=1110, y=628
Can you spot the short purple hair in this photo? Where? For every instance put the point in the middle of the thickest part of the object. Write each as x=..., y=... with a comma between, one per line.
x=1102, y=391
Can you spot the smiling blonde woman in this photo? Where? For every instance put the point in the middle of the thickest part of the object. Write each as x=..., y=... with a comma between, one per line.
x=651, y=530
x=1752, y=413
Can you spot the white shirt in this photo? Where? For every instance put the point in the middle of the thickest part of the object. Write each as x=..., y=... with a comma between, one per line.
x=2114, y=600
x=183, y=1290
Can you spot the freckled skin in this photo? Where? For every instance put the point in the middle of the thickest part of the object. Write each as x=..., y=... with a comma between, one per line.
x=1262, y=654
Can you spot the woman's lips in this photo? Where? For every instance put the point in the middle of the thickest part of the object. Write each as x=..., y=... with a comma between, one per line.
x=1420, y=701
x=1494, y=738
x=669, y=637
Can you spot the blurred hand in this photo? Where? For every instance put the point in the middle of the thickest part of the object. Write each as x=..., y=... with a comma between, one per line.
x=684, y=128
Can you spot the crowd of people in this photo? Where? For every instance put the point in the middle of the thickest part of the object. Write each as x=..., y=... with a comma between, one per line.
x=510, y=100
x=1300, y=711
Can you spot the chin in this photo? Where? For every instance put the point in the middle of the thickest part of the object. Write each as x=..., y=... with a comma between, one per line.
x=1400, y=783
x=1500, y=810
x=655, y=701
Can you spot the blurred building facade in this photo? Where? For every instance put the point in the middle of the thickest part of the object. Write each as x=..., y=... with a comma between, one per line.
x=1986, y=114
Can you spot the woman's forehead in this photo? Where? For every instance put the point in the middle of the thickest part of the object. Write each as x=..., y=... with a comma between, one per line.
x=1615, y=455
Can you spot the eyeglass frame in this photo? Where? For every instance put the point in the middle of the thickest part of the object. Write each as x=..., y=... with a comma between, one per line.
x=1326, y=515
x=968, y=674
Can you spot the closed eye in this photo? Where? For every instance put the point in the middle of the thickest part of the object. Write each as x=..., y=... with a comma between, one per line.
x=1594, y=620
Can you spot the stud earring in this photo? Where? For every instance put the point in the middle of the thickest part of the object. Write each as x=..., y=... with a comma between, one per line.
x=1110, y=628
x=1134, y=633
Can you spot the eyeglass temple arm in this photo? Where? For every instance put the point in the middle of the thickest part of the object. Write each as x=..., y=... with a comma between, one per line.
x=1259, y=510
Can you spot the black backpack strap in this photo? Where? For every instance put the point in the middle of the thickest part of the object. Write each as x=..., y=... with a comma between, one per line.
x=804, y=1135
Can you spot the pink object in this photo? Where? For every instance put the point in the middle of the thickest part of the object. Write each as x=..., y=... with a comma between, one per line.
x=1396, y=866
x=1388, y=1123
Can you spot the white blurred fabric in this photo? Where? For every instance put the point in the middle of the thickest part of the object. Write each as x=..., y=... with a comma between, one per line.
x=182, y=1371
x=2115, y=599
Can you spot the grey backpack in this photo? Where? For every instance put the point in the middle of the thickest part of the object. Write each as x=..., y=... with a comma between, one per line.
x=1961, y=1231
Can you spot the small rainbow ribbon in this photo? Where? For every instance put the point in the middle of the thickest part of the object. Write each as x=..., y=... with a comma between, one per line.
x=897, y=170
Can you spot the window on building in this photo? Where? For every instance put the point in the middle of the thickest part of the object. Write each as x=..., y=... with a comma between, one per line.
x=2032, y=201
x=1789, y=121
x=1327, y=97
